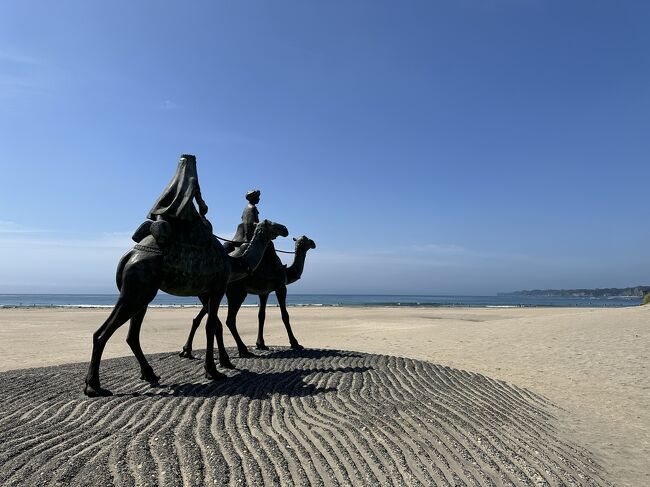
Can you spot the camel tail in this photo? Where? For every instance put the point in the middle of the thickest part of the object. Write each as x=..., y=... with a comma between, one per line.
x=120, y=269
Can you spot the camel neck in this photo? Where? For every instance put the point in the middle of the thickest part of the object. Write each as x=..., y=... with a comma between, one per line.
x=294, y=271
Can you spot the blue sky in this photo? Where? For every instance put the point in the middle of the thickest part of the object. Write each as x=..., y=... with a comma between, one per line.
x=466, y=146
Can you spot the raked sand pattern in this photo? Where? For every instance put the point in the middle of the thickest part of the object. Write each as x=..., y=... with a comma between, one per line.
x=312, y=417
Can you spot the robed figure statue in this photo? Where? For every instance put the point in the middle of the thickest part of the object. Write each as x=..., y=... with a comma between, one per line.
x=176, y=200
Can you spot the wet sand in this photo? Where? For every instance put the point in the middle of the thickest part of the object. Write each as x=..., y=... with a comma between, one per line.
x=589, y=366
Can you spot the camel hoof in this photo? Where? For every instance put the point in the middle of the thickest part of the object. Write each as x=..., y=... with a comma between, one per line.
x=150, y=377
x=186, y=354
x=96, y=391
x=246, y=354
x=297, y=346
x=214, y=375
x=226, y=364
x=261, y=346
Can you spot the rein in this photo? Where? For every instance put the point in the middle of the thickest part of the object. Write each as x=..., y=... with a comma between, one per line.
x=232, y=241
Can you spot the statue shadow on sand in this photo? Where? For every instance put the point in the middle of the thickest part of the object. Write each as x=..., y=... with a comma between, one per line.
x=306, y=353
x=253, y=385
x=289, y=353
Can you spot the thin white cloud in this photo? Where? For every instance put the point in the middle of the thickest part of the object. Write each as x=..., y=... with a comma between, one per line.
x=15, y=84
x=429, y=255
x=433, y=248
x=15, y=236
x=17, y=58
x=60, y=262
x=23, y=75
x=383, y=258
x=9, y=227
x=167, y=104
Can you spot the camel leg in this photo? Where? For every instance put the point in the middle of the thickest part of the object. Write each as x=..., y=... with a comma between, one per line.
x=133, y=339
x=235, y=300
x=281, y=294
x=187, y=348
x=123, y=310
x=213, y=327
x=261, y=316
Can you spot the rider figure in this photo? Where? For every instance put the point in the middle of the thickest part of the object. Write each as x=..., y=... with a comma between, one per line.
x=249, y=218
x=176, y=199
x=244, y=234
x=175, y=203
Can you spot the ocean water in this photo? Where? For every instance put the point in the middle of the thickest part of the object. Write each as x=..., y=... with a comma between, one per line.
x=165, y=300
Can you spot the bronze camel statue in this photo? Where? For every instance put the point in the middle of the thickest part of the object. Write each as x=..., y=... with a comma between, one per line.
x=193, y=263
x=270, y=276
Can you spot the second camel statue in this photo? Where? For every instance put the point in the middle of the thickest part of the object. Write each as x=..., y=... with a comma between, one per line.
x=268, y=277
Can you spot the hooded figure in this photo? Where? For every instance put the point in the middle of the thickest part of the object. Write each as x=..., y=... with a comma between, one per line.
x=176, y=200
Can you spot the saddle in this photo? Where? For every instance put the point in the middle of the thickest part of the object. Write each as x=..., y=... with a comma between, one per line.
x=237, y=241
x=161, y=230
x=148, y=244
x=187, y=246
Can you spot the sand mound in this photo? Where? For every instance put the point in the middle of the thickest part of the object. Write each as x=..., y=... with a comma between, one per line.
x=316, y=417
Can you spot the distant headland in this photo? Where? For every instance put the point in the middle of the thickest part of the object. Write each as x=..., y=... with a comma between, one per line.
x=636, y=291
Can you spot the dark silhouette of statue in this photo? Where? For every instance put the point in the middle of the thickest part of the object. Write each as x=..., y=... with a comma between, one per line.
x=179, y=255
x=264, y=280
x=249, y=218
x=175, y=204
x=176, y=200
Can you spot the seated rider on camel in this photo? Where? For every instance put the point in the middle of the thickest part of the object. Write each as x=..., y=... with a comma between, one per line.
x=244, y=232
x=175, y=204
x=249, y=218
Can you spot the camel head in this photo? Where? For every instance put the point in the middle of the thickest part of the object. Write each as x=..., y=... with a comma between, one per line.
x=304, y=243
x=271, y=229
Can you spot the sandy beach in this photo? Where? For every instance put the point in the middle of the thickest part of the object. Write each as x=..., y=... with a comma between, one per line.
x=591, y=365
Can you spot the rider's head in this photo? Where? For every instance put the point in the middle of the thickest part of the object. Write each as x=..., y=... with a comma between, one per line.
x=253, y=196
x=188, y=157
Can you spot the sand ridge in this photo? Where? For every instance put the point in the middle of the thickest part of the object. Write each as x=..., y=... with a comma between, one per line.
x=317, y=417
